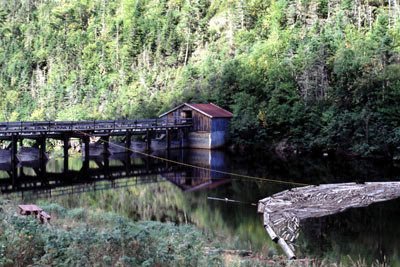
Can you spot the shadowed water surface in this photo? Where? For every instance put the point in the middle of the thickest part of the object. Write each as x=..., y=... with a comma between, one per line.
x=151, y=189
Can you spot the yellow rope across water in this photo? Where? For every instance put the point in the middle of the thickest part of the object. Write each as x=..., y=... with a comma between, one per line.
x=201, y=168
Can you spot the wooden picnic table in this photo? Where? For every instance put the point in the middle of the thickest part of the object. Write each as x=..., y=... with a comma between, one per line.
x=29, y=209
x=36, y=211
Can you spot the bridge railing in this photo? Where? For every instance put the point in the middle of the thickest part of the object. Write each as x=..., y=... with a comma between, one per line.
x=100, y=125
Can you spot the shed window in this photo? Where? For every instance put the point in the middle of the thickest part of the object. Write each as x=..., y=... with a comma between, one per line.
x=187, y=114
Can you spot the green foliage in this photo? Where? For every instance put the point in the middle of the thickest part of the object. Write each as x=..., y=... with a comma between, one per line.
x=23, y=241
x=294, y=62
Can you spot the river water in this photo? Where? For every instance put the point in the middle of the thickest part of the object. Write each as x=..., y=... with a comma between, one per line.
x=144, y=188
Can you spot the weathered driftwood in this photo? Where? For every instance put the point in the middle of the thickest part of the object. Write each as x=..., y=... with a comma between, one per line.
x=271, y=233
x=284, y=211
x=288, y=251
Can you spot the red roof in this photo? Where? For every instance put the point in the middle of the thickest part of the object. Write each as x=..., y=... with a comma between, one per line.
x=210, y=110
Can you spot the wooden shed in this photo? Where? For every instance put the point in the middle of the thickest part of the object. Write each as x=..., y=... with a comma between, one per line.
x=210, y=124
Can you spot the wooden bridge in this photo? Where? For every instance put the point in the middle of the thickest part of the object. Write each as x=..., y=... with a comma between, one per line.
x=57, y=129
x=16, y=132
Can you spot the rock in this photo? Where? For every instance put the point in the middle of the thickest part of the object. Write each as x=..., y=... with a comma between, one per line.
x=284, y=148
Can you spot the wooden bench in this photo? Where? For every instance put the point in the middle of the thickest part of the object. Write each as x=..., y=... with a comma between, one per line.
x=44, y=217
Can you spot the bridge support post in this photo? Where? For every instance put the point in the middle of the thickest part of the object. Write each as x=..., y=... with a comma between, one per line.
x=106, y=166
x=128, y=140
x=147, y=159
x=14, y=160
x=14, y=148
x=128, y=163
x=180, y=138
x=42, y=143
x=14, y=173
x=42, y=151
x=66, y=147
x=148, y=140
x=106, y=145
x=168, y=133
x=86, y=141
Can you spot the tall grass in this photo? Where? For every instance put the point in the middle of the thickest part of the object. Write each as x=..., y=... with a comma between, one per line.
x=83, y=238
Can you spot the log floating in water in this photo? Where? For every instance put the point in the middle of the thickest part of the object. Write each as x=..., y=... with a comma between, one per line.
x=283, y=211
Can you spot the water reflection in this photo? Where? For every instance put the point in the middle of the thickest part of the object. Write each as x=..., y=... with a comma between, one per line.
x=52, y=179
x=150, y=189
x=193, y=179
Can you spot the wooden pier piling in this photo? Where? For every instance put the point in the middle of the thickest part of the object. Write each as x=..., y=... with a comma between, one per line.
x=180, y=138
x=86, y=141
x=106, y=144
x=168, y=139
x=42, y=146
x=14, y=148
x=65, y=149
x=148, y=140
x=128, y=140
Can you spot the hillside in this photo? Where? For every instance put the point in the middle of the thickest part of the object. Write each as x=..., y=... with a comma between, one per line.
x=325, y=74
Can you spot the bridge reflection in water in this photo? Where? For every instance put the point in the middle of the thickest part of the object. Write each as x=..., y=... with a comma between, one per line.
x=46, y=179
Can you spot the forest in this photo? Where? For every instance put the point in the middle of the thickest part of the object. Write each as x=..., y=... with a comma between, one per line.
x=321, y=74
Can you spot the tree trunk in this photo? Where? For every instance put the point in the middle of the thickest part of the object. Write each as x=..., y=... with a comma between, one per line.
x=390, y=12
x=187, y=45
x=370, y=17
x=103, y=27
x=117, y=48
x=359, y=17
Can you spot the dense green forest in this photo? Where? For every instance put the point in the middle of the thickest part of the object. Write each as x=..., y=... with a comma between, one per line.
x=323, y=74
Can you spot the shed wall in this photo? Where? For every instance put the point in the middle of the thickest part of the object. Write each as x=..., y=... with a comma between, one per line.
x=219, y=132
x=206, y=133
x=201, y=123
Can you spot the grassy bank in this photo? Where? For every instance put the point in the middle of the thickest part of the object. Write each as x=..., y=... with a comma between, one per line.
x=78, y=237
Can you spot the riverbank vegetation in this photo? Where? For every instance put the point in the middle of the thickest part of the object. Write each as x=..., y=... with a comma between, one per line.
x=95, y=237
x=77, y=237
x=323, y=74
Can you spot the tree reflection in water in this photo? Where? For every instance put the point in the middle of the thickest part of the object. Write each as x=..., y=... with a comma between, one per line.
x=179, y=195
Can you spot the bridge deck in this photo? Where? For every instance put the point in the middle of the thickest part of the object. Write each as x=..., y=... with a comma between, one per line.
x=105, y=127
